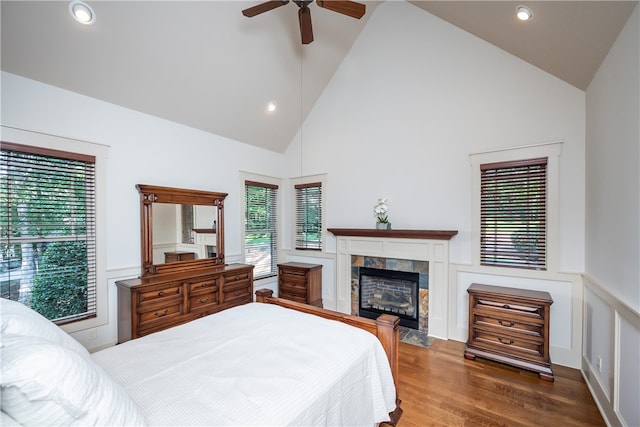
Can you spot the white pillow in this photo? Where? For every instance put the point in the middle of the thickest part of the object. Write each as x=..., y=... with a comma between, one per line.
x=17, y=318
x=48, y=384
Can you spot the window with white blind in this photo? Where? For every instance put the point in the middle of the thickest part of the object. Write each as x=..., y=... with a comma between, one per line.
x=513, y=214
x=48, y=231
x=308, y=222
x=261, y=228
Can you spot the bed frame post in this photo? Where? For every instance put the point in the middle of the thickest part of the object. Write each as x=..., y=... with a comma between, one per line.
x=389, y=335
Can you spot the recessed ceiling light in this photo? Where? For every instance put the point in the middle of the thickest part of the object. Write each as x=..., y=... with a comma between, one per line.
x=82, y=12
x=271, y=106
x=524, y=13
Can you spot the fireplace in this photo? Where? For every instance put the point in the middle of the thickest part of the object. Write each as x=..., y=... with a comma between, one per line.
x=389, y=292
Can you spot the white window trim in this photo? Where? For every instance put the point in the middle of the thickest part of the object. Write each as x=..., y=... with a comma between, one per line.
x=550, y=150
x=100, y=152
x=248, y=176
x=321, y=178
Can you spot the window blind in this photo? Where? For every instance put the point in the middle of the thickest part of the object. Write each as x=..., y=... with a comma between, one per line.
x=513, y=205
x=308, y=216
x=261, y=231
x=48, y=231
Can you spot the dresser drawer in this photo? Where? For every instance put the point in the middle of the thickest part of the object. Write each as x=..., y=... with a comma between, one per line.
x=203, y=286
x=237, y=291
x=237, y=277
x=203, y=301
x=161, y=315
x=158, y=294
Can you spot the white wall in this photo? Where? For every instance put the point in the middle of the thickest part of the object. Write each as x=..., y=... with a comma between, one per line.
x=612, y=268
x=409, y=104
x=143, y=150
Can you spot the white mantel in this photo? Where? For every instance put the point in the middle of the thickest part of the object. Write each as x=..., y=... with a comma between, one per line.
x=420, y=245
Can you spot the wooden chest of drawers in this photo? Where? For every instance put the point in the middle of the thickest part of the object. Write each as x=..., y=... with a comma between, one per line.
x=510, y=326
x=300, y=282
x=159, y=302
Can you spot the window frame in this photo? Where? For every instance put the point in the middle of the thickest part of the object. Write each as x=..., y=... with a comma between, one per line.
x=43, y=141
x=551, y=151
x=266, y=181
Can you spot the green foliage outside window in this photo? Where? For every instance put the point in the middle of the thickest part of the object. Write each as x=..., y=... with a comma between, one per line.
x=60, y=284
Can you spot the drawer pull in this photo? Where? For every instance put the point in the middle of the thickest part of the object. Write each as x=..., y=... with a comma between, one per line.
x=164, y=313
x=204, y=285
x=505, y=323
x=161, y=293
x=505, y=341
x=506, y=306
x=202, y=301
x=238, y=293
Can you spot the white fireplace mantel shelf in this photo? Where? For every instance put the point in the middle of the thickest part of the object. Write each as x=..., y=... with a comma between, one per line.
x=421, y=245
x=404, y=234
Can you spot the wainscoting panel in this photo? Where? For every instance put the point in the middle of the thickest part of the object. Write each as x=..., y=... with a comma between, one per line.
x=611, y=355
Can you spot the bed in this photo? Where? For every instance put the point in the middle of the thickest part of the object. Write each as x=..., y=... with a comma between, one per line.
x=272, y=362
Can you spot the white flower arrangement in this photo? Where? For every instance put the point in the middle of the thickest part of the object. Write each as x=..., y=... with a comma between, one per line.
x=380, y=211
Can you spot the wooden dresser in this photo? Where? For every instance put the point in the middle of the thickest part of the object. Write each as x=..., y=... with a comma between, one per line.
x=510, y=326
x=158, y=302
x=300, y=282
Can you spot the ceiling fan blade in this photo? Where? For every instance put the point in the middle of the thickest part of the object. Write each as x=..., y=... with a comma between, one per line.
x=263, y=7
x=306, y=31
x=349, y=8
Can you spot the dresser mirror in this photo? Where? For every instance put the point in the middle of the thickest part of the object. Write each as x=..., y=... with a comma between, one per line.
x=180, y=229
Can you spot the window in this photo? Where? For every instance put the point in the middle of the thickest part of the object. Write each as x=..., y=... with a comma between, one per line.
x=187, y=220
x=261, y=231
x=48, y=231
x=308, y=199
x=513, y=220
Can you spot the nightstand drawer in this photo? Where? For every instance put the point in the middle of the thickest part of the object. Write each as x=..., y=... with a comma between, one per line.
x=293, y=289
x=508, y=307
x=282, y=293
x=508, y=325
x=508, y=344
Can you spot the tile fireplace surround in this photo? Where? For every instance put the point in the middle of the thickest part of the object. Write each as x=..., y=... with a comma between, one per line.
x=417, y=245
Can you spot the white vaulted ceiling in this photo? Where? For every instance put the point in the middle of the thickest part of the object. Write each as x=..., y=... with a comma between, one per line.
x=204, y=65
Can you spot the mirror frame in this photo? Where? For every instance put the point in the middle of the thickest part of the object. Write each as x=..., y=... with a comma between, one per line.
x=150, y=194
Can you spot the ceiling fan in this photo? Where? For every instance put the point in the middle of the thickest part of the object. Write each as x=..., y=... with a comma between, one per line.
x=349, y=8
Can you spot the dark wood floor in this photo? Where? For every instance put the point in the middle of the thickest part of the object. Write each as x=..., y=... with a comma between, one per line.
x=439, y=387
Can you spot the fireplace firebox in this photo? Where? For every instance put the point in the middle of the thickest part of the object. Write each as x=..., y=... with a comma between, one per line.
x=389, y=292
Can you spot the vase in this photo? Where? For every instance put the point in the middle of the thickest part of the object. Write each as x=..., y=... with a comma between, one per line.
x=381, y=225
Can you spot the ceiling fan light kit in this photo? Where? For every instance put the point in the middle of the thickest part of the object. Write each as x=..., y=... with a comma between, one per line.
x=349, y=8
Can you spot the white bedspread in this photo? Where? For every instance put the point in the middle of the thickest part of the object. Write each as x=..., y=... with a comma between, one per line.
x=256, y=364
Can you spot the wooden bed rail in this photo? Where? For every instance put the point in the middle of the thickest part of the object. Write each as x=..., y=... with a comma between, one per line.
x=385, y=327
